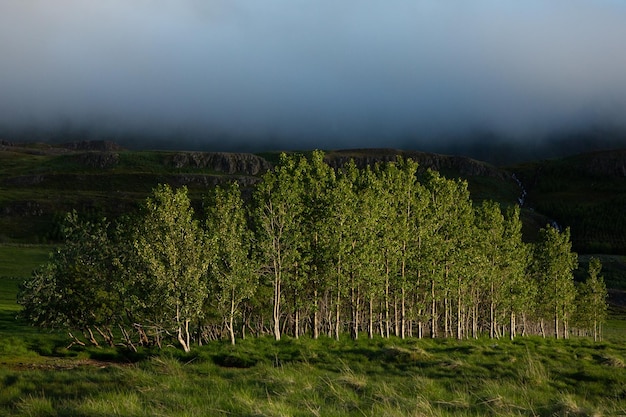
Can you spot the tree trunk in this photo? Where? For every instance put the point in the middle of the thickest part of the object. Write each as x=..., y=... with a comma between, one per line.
x=474, y=313
x=231, y=318
x=396, y=321
x=433, y=311
x=337, y=316
x=370, y=327
x=402, y=311
x=387, y=324
x=556, y=324
x=183, y=336
x=459, y=320
x=108, y=337
x=446, y=317
x=276, y=309
x=513, y=332
x=315, y=315
x=354, y=307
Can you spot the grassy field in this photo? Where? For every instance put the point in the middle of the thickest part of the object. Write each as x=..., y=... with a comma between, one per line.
x=39, y=376
x=260, y=377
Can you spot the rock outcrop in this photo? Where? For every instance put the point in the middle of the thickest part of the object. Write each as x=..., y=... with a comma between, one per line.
x=225, y=162
x=100, y=160
x=92, y=145
x=463, y=165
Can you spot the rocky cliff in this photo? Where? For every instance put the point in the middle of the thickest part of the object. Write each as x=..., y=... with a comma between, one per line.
x=463, y=165
x=225, y=162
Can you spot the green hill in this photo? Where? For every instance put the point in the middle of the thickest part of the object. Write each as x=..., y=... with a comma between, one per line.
x=584, y=192
x=39, y=183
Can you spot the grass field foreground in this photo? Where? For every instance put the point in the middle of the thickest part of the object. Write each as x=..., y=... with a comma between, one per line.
x=39, y=376
x=305, y=377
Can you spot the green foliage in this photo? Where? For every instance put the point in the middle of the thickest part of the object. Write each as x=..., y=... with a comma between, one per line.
x=553, y=266
x=592, y=307
x=278, y=209
x=172, y=255
x=378, y=249
x=232, y=272
x=73, y=290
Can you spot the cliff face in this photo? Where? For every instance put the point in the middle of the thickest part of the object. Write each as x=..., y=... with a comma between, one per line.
x=92, y=145
x=463, y=165
x=228, y=163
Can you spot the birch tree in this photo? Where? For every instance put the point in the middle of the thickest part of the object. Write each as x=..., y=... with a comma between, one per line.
x=77, y=289
x=232, y=276
x=342, y=203
x=490, y=224
x=318, y=180
x=553, y=266
x=592, y=299
x=519, y=290
x=278, y=217
x=173, y=253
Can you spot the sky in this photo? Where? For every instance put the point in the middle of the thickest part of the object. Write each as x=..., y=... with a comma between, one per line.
x=311, y=74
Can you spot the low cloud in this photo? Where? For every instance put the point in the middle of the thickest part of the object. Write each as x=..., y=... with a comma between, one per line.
x=311, y=74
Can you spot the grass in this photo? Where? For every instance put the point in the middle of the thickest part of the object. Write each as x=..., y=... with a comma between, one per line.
x=16, y=262
x=327, y=377
x=304, y=377
x=20, y=260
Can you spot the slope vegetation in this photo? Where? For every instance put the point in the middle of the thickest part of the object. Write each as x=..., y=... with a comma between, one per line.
x=584, y=192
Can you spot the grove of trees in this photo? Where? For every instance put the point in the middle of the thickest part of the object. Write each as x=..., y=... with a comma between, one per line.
x=380, y=250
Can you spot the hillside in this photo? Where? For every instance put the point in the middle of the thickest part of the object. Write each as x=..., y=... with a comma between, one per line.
x=39, y=183
x=585, y=192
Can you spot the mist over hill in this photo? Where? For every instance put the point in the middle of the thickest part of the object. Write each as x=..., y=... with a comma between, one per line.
x=483, y=145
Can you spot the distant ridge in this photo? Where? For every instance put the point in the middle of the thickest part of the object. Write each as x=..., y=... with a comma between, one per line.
x=427, y=160
x=92, y=145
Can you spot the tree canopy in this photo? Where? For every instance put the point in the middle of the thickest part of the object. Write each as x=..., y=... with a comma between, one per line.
x=380, y=249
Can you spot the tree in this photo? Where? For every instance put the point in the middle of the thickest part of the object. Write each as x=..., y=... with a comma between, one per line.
x=278, y=217
x=77, y=289
x=400, y=191
x=520, y=291
x=318, y=180
x=449, y=218
x=490, y=222
x=342, y=204
x=173, y=256
x=232, y=278
x=592, y=299
x=361, y=256
x=553, y=266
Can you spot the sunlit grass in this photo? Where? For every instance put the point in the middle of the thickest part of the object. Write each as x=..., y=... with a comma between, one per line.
x=304, y=377
x=364, y=378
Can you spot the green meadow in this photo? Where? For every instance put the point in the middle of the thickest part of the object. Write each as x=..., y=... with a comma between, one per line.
x=531, y=376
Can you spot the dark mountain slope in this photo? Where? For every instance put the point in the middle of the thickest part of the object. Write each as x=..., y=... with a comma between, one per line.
x=585, y=192
x=41, y=182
